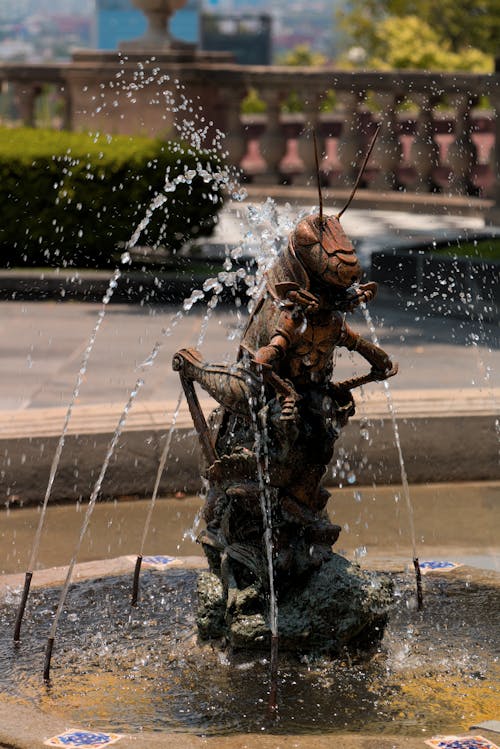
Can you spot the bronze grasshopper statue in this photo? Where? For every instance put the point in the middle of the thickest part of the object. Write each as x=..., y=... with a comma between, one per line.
x=280, y=414
x=285, y=364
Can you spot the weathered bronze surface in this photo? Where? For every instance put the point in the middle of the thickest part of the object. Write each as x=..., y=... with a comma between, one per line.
x=269, y=443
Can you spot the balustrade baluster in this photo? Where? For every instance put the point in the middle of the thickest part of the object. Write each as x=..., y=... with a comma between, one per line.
x=462, y=153
x=424, y=152
x=272, y=142
x=291, y=167
x=388, y=152
x=494, y=214
x=351, y=143
x=65, y=95
x=25, y=99
x=231, y=124
x=312, y=102
x=329, y=128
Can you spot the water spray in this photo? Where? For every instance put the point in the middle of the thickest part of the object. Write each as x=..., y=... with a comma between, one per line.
x=159, y=474
x=162, y=463
x=404, y=475
x=261, y=441
x=156, y=203
x=85, y=524
x=57, y=455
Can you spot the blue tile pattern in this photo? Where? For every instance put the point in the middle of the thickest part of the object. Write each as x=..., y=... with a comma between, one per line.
x=437, y=566
x=78, y=738
x=460, y=742
x=158, y=559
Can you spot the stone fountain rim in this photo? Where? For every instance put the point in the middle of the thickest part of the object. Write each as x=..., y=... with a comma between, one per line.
x=449, y=434
x=51, y=577
x=26, y=727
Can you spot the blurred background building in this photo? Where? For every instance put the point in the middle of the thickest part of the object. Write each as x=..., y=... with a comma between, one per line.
x=255, y=31
x=247, y=37
x=44, y=30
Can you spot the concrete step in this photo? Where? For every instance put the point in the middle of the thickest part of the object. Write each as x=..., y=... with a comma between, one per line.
x=445, y=434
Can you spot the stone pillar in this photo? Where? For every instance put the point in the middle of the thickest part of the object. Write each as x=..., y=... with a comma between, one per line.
x=424, y=153
x=272, y=142
x=388, y=152
x=235, y=141
x=493, y=217
x=25, y=99
x=351, y=143
x=67, y=119
x=312, y=101
x=462, y=153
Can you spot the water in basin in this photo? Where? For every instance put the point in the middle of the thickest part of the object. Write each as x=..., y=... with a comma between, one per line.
x=143, y=669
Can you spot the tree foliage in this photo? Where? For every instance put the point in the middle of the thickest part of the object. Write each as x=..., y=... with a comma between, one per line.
x=467, y=28
x=72, y=199
x=302, y=55
x=409, y=42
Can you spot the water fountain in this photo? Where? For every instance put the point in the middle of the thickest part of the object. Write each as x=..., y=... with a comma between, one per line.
x=151, y=651
x=273, y=576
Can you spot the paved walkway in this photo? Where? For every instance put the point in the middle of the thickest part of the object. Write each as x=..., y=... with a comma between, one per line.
x=43, y=343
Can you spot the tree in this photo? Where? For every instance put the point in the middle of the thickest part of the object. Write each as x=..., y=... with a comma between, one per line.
x=464, y=23
x=409, y=42
x=460, y=25
x=302, y=55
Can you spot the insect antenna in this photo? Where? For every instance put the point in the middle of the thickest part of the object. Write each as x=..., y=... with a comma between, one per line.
x=361, y=171
x=318, y=180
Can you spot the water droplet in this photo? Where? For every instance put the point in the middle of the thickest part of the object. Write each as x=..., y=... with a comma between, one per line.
x=195, y=297
x=239, y=195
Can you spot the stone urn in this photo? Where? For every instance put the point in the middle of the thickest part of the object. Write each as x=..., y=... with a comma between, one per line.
x=158, y=13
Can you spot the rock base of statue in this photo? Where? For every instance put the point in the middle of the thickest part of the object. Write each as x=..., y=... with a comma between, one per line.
x=271, y=501
x=338, y=605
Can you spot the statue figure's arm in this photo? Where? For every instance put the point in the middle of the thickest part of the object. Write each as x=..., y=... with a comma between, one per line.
x=270, y=356
x=296, y=303
x=281, y=340
x=382, y=365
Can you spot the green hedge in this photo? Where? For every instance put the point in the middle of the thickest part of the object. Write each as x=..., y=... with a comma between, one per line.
x=486, y=248
x=72, y=199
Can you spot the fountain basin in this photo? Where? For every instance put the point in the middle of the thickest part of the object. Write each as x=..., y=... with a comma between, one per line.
x=144, y=673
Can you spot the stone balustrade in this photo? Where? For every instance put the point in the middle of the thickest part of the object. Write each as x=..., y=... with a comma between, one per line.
x=433, y=135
